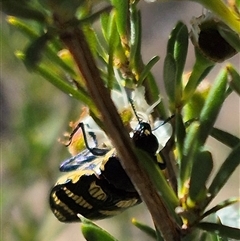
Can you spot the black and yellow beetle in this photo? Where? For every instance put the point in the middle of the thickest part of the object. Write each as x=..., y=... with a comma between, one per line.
x=95, y=185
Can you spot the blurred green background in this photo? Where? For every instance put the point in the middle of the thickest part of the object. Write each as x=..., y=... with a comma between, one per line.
x=34, y=115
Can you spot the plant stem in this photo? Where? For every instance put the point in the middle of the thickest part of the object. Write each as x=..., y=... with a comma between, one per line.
x=74, y=40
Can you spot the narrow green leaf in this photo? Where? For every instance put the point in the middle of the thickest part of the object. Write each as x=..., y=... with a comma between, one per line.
x=92, y=232
x=47, y=73
x=115, y=48
x=169, y=76
x=22, y=27
x=34, y=51
x=91, y=38
x=220, y=206
x=145, y=228
x=185, y=164
x=147, y=69
x=121, y=17
x=177, y=48
x=180, y=135
x=153, y=95
x=212, y=106
x=225, y=137
x=206, y=236
x=135, y=39
x=173, y=37
x=230, y=36
x=193, y=107
x=64, y=9
x=22, y=10
x=196, y=235
x=50, y=50
x=235, y=79
x=222, y=238
x=180, y=54
x=104, y=19
x=225, y=171
x=201, y=68
x=90, y=18
x=159, y=182
x=202, y=168
x=220, y=230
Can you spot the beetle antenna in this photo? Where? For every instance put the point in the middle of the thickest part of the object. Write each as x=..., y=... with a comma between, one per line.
x=134, y=110
x=164, y=122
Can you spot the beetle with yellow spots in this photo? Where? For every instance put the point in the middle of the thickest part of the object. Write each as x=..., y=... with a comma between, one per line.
x=95, y=185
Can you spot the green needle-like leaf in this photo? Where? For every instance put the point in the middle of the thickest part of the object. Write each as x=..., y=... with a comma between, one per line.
x=92, y=232
x=145, y=228
x=121, y=17
x=175, y=61
x=135, y=39
x=49, y=50
x=212, y=106
x=105, y=18
x=147, y=69
x=173, y=38
x=225, y=137
x=200, y=69
x=225, y=171
x=199, y=131
x=185, y=164
x=220, y=230
x=180, y=135
x=180, y=54
x=115, y=48
x=201, y=170
x=230, y=36
x=220, y=206
x=160, y=182
x=46, y=72
x=235, y=79
x=22, y=10
x=169, y=76
x=34, y=51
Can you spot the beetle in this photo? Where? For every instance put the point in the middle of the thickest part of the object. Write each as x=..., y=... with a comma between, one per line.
x=95, y=185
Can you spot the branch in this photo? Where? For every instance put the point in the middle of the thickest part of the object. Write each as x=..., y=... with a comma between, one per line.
x=75, y=41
